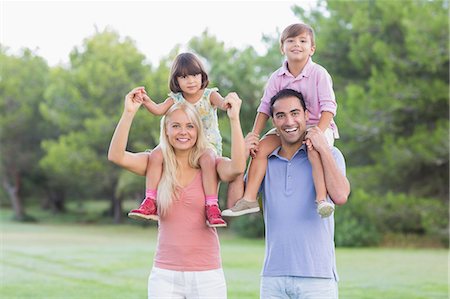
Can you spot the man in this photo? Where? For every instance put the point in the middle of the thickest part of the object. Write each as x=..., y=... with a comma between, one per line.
x=300, y=256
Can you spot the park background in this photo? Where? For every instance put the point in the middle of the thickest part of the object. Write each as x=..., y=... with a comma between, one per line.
x=64, y=231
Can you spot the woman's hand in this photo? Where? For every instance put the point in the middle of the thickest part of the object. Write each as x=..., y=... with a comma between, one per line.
x=134, y=99
x=233, y=104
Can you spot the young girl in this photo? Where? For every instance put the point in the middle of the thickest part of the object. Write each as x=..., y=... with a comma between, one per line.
x=300, y=73
x=188, y=82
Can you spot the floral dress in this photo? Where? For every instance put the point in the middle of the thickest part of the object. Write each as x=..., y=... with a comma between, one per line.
x=208, y=115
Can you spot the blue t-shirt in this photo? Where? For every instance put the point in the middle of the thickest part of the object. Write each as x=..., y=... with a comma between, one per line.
x=298, y=241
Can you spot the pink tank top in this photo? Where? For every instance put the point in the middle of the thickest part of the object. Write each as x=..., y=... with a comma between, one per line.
x=185, y=243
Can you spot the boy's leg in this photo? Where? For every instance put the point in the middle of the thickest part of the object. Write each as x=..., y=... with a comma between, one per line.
x=324, y=208
x=148, y=208
x=210, y=187
x=256, y=172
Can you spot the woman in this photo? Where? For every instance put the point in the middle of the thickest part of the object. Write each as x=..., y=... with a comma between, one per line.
x=187, y=262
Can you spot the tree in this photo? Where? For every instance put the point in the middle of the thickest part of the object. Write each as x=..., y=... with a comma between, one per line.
x=23, y=80
x=389, y=61
x=82, y=102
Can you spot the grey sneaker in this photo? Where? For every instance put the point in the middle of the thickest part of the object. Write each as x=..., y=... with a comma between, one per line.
x=325, y=209
x=242, y=207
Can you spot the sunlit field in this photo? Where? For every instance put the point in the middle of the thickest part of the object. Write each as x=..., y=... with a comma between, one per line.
x=106, y=261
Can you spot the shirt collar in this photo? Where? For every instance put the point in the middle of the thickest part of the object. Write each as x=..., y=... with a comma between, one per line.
x=305, y=72
x=276, y=152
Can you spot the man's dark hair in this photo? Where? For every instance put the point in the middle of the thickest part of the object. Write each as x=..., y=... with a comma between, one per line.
x=286, y=93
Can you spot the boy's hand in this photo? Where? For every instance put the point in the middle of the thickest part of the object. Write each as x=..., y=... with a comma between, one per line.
x=252, y=143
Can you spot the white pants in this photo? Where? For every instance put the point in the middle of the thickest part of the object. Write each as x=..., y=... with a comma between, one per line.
x=165, y=284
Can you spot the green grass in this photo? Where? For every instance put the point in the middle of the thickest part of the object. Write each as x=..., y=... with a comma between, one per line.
x=55, y=261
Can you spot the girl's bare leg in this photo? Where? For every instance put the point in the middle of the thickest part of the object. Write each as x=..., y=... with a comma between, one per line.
x=211, y=187
x=148, y=208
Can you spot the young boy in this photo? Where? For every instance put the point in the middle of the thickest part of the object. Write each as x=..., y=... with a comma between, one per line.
x=300, y=73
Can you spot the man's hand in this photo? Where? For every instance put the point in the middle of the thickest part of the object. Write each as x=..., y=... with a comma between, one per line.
x=251, y=144
x=315, y=140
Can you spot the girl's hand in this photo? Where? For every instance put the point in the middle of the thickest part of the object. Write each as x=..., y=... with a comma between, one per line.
x=133, y=100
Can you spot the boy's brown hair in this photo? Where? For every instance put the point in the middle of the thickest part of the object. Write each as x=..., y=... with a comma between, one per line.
x=295, y=30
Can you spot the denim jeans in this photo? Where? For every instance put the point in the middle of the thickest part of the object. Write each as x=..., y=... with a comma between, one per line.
x=293, y=287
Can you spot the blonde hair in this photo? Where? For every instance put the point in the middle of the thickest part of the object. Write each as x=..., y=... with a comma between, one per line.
x=168, y=187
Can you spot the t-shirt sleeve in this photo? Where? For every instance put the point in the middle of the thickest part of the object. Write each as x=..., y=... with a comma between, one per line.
x=340, y=160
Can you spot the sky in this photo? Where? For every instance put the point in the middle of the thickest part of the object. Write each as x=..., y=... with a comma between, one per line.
x=53, y=28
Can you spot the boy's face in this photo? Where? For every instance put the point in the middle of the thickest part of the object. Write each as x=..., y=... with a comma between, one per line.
x=298, y=48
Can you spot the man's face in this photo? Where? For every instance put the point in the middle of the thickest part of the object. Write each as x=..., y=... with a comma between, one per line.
x=289, y=119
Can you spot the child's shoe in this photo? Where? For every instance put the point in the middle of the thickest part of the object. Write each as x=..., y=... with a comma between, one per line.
x=242, y=207
x=325, y=209
x=148, y=210
x=214, y=217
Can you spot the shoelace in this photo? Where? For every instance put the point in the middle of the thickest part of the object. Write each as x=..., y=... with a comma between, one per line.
x=213, y=212
x=149, y=207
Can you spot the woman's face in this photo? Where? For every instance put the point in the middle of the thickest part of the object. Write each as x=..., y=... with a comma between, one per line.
x=181, y=131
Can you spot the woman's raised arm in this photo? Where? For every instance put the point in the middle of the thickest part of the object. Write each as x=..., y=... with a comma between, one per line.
x=228, y=169
x=134, y=162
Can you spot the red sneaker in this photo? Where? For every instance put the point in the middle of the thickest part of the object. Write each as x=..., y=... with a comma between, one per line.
x=147, y=210
x=214, y=217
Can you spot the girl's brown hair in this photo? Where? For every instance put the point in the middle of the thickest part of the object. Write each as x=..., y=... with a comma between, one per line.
x=186, y=64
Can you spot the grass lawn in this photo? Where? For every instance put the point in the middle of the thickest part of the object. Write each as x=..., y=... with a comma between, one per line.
x=54, y=261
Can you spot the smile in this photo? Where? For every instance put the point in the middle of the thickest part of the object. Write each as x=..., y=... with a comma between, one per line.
x=291, y=130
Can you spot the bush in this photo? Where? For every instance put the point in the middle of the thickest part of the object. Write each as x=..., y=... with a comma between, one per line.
x=249, y=226
x=356, y=223
x=366, y=218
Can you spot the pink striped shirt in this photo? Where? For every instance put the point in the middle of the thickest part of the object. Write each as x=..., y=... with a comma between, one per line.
x=314, y=83
x=185, y=243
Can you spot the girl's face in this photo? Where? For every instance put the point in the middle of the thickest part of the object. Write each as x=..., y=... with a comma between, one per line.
x=190, y=84
x=298, y=48
x=181, y=131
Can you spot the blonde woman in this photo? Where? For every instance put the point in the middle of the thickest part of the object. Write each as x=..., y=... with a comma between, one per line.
x=187, y=262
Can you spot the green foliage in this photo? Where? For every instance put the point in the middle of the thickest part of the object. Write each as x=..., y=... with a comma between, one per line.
x=356, y=224
x=390, y=62
x=367, y=217
x=232, y=70
x=23, y=80
x=83, y=101
x=249, y=226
